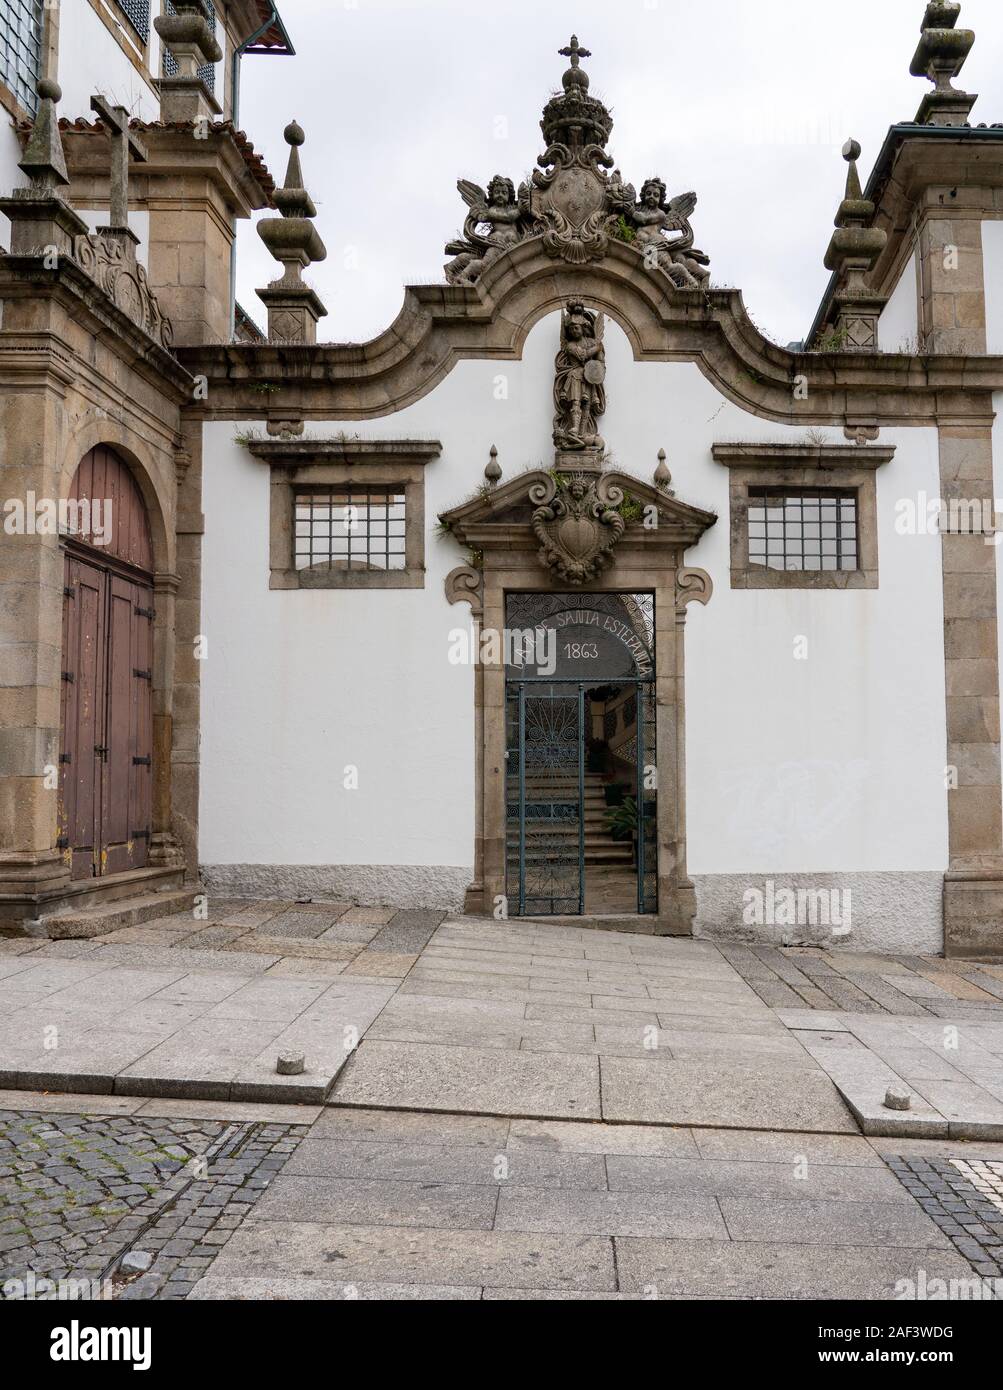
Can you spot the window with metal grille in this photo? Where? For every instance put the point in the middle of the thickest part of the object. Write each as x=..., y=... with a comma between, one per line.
x=206, y=74
x=21, y=49
x=814, y=530
x=137, y=12
x=350, y=528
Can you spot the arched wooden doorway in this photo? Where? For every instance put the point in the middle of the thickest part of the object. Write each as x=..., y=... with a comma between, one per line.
x=106, y=740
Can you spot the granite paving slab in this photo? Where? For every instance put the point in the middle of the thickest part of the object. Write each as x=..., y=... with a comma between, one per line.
x=361, y=1202
x=495, y=1081
x=425, y=1162
x=819, y=1222
x=779, y=1270
x=223, y=1287
x=462, y=1131
x=799, y=1181
x=610, y=1213
x=278, y=1250
x=721, y=1096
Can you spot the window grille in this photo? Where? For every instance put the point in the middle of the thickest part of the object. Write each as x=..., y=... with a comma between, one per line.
x=137, y=12
x=814, y=530
x=357, y=528
x=21, y=49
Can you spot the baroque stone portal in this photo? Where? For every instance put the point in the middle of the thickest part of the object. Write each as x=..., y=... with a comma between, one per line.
x=571, y=203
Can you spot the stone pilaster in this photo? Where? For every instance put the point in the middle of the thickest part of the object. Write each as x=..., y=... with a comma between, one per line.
x=31, y=607
x=952, y=307
x=187, y=656
x=973, y=885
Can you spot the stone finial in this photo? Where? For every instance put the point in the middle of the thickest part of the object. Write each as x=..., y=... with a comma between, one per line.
x=192, y=44
x=43, y=159
x=574, y=118
x=492, y=471
x=293, y=308
x=39, y=214
x=853, y=252
x=663, y=478
x=940, y=56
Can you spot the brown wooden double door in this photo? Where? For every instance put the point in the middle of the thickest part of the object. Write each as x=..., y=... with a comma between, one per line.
x=107, y=718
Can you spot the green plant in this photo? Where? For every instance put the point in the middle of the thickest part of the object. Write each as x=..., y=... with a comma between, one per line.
x=621, y=821
x=623, y=231
x=833, y=341
x=630, y=508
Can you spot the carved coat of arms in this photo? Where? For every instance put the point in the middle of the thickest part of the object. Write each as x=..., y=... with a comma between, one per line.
x=577, y=525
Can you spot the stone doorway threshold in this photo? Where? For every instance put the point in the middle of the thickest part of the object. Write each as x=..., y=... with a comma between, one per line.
x=642, y=924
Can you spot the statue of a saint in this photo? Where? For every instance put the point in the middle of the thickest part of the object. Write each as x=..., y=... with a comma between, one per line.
x=580, y=370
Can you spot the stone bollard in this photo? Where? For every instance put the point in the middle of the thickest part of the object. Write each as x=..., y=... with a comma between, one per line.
x=290, y=1063
x=897, y=1098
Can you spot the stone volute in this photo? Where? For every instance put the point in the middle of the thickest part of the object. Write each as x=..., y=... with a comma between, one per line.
x=940, y=56
x=186, y=34
x=293, y=307
x=39, y=214
x=853, y=251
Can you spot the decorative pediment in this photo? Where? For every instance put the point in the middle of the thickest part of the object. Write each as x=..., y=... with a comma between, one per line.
x=572, y=204
x=577, y=520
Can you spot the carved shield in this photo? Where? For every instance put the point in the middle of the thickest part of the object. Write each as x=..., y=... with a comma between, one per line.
x=579, y=536
x=577, y=194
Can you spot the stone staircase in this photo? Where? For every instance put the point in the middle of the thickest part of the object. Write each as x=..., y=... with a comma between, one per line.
x=543, y=837
x=124, y=912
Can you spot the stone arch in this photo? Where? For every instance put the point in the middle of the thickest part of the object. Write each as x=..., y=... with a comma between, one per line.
x=153, y=480
x=148, y=477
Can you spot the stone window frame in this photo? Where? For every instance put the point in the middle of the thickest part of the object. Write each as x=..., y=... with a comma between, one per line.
x=300, y=464
x=799, y=467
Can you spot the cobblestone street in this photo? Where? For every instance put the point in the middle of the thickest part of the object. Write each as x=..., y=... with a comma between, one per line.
x=78, y=1193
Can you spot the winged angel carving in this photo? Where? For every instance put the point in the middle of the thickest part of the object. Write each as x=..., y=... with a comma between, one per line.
x=495, y=221
x=662, y=231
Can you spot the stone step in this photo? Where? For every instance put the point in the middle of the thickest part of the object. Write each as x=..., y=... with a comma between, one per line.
x=126, y=912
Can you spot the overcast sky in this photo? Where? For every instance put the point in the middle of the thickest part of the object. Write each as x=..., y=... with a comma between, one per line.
x=745, y=101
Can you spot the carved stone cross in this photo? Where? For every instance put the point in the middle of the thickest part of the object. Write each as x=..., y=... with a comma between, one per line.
x=123, y=143
x=574, y=52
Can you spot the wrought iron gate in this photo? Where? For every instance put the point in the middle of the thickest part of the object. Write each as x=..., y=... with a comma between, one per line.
x=545, y=832
x=547, y=719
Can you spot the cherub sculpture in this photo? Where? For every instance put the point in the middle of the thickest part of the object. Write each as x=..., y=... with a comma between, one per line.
x=502, y=212
x=580, y=370
x=654, y=221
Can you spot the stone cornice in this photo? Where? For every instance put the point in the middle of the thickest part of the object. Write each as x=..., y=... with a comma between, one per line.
x=440, y=325
x=830, y=457
x=179, y=165
x=29, y=277
x=297, y=453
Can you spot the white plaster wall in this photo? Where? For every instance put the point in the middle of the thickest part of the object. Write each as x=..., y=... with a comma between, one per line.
x=835, y=763
x=91, y=62
x=992, y=269
x=11, y=176
x=898, y=326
